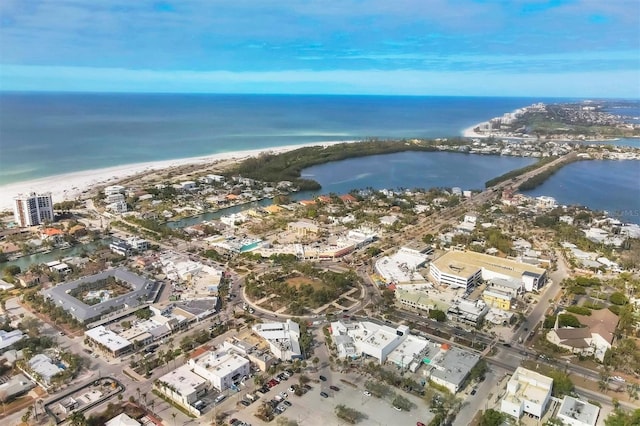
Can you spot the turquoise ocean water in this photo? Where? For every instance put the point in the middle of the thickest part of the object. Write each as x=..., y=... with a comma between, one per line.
x=48, y=134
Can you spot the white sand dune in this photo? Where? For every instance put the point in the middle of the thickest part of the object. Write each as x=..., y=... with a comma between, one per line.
x=70, y=186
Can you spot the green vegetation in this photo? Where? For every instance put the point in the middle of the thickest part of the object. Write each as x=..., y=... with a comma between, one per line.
x=562, y=384
x=300, y=286
x=492, y=417
x=580, y=310
x=349, y=415
x=517, y=172
x=618, y=298
x=377, y=389
x=624, y=356
x=620, y=417
x=537, y=180
x=437, y=315
x=564, y=320
x=402, y=403
x=288, y=166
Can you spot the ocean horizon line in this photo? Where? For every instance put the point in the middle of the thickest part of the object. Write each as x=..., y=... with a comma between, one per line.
x=294, y=94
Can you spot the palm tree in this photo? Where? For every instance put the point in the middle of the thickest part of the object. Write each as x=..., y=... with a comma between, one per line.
x=138, y=391
x=77, y=419
x=174, y=418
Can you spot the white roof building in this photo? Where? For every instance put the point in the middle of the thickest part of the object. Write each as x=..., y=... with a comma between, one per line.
x=574, y=412
x=221, y=368
x=527, y=392
x=367, y=338
x=8, y=338
x=283, y=338
x=122, y=420
x=400, y=268
x=108, y=340
x=182, y=385
x=44, y=367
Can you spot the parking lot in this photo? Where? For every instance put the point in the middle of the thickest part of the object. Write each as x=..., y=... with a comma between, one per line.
x=313, y=409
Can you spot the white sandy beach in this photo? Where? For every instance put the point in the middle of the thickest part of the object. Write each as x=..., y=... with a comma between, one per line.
x=70, y=186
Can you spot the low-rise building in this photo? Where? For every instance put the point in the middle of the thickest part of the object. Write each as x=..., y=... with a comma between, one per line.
x=283, y=338
x=356, y=339
x=182, y=385
x=17, y=385
x=527, y=392
x=221, y=368
x=574, y=412
x=9, y=338
x=108, y=342
x=593, y=339
x=495, y=298
x=401, y=267
x=468, y=311
x=43, y=369
x=420, y=300
x=451, y=367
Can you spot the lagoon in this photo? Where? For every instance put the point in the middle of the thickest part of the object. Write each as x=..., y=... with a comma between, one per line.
x=412, y=170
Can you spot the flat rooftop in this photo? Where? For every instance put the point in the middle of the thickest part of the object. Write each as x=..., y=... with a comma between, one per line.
x=183, y=380
x=143, y=290
x=466, y=263
x=453, y=365
x=581, y=411
x=527, y=385
x=220, y=363
x=108, y=338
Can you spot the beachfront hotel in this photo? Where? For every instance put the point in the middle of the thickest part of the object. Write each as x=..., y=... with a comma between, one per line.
x=33, y=209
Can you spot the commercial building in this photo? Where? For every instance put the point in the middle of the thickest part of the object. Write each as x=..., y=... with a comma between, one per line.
x=355, y=339
x=401, y=268
x=283, y=338
x=421, y=300
x=182, y=385
x=465, y=269
x=221, y=368
x=142, y=291
x=108, y=342
x=468, y=311
x=574, y=412
x=527, y=392
x=33, y=209
x=451, y=367
x=497, y=298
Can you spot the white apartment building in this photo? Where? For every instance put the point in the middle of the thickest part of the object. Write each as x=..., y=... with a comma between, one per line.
x=527, y=392
x=221, y=368
x=33, y=209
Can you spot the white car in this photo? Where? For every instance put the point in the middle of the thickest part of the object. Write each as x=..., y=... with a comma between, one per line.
x=367, y=393
x=397, y=408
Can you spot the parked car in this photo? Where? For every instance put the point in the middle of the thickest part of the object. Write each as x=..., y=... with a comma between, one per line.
x=287, y=403
x=366, y=393
x=245, y=403
x=291, y=389
x=334, y=388
x=324, y=379
x=473, y=392
x=324, y=394
x=397, y=408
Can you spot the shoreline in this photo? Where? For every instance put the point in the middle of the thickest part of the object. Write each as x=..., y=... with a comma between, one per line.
x=71, y=186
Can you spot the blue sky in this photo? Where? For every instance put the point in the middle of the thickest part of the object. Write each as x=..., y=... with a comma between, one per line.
x=575, y=48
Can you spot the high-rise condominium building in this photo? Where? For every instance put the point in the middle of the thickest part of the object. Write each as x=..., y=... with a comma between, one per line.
x=33, y=209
